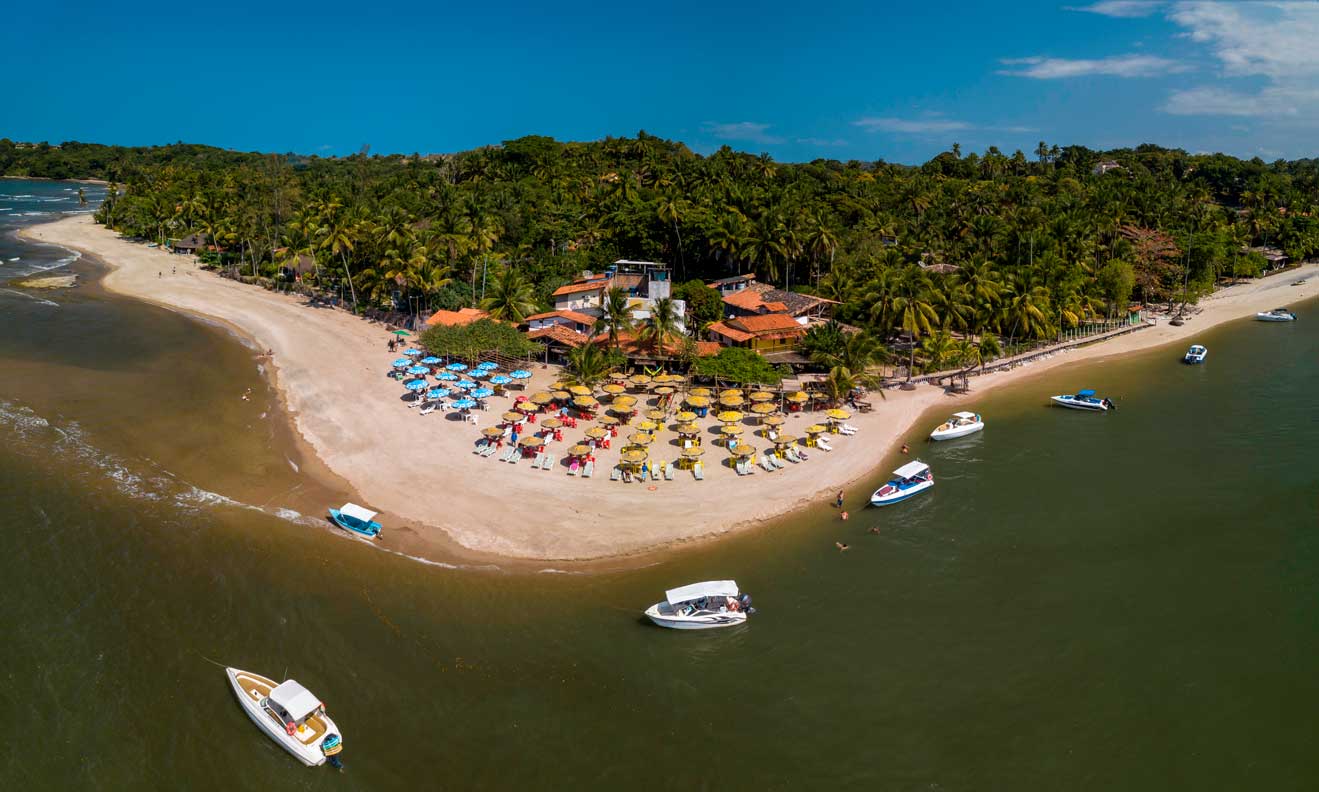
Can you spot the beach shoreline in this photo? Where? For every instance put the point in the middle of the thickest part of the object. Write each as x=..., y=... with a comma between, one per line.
x=328, y=368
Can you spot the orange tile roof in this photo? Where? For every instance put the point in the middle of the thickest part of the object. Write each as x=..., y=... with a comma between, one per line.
x=746, y=299
x=722, y=329
x=575, y=288
x=559, y=333
x=776, y=307
x=708, y=348
x=574, y=316
x=765, y=323
x=462, y=316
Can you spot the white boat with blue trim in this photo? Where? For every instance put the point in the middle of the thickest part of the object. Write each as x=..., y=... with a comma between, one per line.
x=960, y=425
x=1196, y=354
x=909, y=480
x=1084, y=400
x=290, y=715
x=702, y=606
x=357, y=519
x=1276, y=315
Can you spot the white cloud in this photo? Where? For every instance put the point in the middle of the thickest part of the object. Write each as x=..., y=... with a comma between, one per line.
x=1042, y=68
x=910, y=126
x=1124, y=9
x=749, y=131
x=814, y=141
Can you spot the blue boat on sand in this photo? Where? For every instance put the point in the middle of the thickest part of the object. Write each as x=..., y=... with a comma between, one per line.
x=357, y=519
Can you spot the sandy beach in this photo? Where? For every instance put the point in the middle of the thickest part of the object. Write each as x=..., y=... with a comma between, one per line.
x=420, y=471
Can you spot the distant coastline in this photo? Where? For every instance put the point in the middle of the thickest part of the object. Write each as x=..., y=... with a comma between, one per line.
x=101, y=182
x=350, y=415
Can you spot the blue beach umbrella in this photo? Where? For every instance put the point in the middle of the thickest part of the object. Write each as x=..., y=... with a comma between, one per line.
x=401, y=362
x=416, y=385
x=488, y=366
x=421, y=370
x=500, y=379
x=464, y=404
x=430, y=360
x=437, y=393
x=456, y=367
x=482, y=393
x=446, y=376
x=466, y=385
x=520, y=374
x=412, y=351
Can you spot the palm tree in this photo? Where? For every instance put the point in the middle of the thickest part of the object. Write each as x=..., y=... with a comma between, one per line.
x=986, y=349
x=617, y=316
x=511, y=297
x=588, y=365
x=937, y=349
x=914, y=313
x=662, y=325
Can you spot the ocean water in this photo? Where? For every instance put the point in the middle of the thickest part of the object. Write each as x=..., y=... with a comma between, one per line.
x=1083, y=601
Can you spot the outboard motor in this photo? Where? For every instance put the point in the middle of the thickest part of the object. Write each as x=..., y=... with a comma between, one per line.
x=745, y=599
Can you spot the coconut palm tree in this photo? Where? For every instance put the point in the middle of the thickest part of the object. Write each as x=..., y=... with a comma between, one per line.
x=588, y=365
x=617, y=318
x=915, y=315
x=662, y=324
x=510, y=297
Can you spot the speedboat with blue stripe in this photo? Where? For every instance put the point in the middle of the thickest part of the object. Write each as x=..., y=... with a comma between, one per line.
x=1084, y=400
x=909, y=480
x=357, y=519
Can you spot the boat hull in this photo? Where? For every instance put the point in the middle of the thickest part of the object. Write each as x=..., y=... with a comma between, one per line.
x=711, y=621
x=371, y=530
x=878, y=499
x=309, y=755
x=1072, y=404
x=957, y=431
x=1271, y=318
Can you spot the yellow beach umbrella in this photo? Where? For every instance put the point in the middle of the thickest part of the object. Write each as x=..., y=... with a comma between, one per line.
x=688, y=429
x=815, y=429
x=526, y=407
x=608, y=420
x=731, y=401
x=561, y=395
x=639, y=379
x=492, y=432
x=761, y=396
x=579, y=390
x=656, y=415
x=729, y=416
x=586, y=402
x=783, y=440
x=617, y=376
x=597, y=433
x=686, y=416
x=699, y=392
x=634, y=456
x=541, y=397
x=731, y=392
x=693, y=452
x=531, y=441
x=664, y=390
x=551, y=423
x=798, y=397
x=732, y=429
x=772, y=420
x=742, y=449
x=698, y=401
x=838, y=415
x=647, y=426
x=623, y=401
x=559, y=385
x=513, y=417
x=763, y=408
x=641, y=438
x=581, y=449
x=613, y=389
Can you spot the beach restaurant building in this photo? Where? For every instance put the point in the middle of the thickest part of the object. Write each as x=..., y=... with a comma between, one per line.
x=770, y=332
x=644, y=282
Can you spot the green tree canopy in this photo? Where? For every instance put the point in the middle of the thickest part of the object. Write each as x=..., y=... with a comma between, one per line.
x=480, y=338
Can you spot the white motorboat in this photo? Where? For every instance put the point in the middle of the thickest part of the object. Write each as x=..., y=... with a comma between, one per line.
x=960, y=425
x=290, y=715
x=910, y=479
x=1196, y=354
x=702, y=606
x=1084, y=400
x=1276, y=315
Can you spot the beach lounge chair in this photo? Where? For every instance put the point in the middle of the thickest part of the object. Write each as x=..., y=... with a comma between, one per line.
x=767, y=464
x=849, y=429
x=540, y=457
x=481, y=446
x=508, y=455
x=823, y=445
x=791, y=453
x=490, y=449
x=655, y=473
x=617, y=474
x=698, y=472
x=588, y=469
x=572, y=469
x=668, y=471
x=548, y=462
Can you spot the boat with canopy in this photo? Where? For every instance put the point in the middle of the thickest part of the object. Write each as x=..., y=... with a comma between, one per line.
x=908, y=480
x=290, y=715
x=702, y=606
x=960, y=425
x=1196, y=354
x=1084, y=400
x=357, y=519
x=1276, y=315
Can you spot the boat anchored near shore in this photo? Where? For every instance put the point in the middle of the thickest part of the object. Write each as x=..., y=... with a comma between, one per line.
x=290, y=715
x=960, y=425
x=910, y=479
x=702, y=606
x=1276, y=315
x=1196, y=354
x=358, y=519
x=1084, y=400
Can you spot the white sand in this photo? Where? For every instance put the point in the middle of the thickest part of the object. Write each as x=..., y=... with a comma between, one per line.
x=421, y=471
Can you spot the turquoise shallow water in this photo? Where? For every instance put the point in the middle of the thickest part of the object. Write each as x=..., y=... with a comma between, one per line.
x=1082, y=602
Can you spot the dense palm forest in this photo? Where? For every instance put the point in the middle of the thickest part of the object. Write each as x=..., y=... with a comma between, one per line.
x=964, y=247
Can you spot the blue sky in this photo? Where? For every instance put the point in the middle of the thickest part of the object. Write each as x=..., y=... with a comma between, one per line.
x=797, y=80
